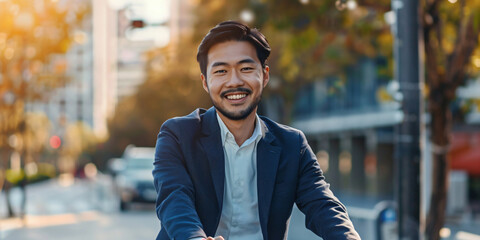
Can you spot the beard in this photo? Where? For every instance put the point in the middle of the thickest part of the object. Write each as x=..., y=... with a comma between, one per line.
x=239, y=115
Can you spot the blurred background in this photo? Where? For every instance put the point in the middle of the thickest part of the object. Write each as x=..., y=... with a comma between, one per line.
x=85, y=86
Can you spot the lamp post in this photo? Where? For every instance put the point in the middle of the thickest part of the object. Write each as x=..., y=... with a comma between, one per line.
x=407, y=134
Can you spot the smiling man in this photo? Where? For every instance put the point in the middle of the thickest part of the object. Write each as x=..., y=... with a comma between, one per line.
x=227, y=173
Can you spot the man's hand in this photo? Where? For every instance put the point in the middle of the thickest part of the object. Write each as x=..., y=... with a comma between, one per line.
x=216, y=238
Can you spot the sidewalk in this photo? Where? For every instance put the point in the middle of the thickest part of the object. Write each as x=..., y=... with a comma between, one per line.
x=61, y=195
x=59, y=201
x=361, y=210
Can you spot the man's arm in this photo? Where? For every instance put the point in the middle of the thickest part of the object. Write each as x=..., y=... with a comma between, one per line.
x=325, y=215
x=175, y=205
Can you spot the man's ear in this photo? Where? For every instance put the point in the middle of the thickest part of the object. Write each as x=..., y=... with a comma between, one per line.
x=204, y=82
x=266, y=75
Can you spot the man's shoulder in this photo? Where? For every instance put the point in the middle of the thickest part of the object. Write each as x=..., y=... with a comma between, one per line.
x=190, y=121
x=281, y=130
x=194, y=116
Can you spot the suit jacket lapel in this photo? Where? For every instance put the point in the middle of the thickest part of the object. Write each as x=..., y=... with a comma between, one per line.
x=268, y=157
x=212, y=144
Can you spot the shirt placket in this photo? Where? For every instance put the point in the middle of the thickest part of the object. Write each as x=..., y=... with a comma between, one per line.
x=236, y=190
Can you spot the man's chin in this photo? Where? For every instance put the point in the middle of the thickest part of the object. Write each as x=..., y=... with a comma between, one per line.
x=236, y=115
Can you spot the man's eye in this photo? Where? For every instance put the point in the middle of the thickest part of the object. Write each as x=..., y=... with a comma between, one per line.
x=220, y=71
x=247, y=68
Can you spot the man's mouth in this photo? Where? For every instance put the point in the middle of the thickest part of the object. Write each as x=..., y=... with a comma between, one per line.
x=236, y=96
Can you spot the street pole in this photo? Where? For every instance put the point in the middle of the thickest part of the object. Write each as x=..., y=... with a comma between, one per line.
x=407, y=133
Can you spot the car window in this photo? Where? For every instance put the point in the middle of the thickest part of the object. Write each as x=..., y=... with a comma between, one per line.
x=140, y=163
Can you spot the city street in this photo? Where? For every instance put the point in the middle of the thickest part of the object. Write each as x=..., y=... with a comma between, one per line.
x=83, y=209
x=89, y=209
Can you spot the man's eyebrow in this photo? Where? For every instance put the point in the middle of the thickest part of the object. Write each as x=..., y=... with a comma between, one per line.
x=216, y=64
x=248, y=60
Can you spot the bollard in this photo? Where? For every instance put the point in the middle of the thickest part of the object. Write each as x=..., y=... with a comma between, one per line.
x=386, y=220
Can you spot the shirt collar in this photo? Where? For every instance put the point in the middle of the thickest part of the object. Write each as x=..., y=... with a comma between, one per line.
x=225, y=133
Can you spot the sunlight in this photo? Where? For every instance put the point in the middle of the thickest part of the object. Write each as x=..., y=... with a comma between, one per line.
x=42, y=221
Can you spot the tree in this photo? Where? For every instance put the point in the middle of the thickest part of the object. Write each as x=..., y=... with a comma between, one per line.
x=450, y=33
x=27, y=143
x=33, y=37
x=315, y=40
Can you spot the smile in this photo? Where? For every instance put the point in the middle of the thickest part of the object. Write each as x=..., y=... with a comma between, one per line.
x=236, y=96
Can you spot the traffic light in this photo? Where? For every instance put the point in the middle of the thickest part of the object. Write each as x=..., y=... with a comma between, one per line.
x=137, y=23
x=55, y=142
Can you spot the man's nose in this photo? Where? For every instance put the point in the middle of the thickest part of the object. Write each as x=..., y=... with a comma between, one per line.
x=235, y=80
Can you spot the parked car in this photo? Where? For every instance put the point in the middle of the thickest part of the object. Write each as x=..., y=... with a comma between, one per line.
x=133, y=176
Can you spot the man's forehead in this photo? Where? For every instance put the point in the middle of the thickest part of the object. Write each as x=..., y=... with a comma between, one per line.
x=231, y=52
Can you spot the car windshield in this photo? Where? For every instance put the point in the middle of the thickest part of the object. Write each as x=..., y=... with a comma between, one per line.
x=139, y=163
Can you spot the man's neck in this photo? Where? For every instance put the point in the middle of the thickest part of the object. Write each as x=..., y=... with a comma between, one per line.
x=241, y=129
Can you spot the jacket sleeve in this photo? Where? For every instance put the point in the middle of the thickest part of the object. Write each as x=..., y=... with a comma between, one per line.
x=325, y=215
x=175, y=205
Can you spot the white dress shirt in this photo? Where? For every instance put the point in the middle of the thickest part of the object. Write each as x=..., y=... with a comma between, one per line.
x=240, y=218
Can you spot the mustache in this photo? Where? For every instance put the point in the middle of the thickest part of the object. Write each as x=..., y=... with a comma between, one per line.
x=248, y=91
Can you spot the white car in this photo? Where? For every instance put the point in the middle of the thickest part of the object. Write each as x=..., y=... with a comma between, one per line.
x=134, y=178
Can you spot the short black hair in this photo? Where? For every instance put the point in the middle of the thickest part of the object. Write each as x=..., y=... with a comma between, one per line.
x=232, y=31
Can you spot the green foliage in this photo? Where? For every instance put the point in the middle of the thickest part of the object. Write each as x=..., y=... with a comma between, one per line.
x=316, y=40
x=14, y=176
x=43, y=171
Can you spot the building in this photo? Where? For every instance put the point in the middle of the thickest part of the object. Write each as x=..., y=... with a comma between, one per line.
x=87, y=95
x=350, y=126
x=104, y=31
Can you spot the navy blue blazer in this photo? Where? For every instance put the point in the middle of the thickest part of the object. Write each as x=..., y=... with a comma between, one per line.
x=189, y=177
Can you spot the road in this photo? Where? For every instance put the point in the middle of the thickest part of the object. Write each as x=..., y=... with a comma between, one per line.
x=79, y=209
x=87, y=209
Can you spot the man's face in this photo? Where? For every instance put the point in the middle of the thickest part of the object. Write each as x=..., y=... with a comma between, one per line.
x=235, y=79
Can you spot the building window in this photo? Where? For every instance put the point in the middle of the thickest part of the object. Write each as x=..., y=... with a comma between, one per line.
x=345, y=163
x=323, y=160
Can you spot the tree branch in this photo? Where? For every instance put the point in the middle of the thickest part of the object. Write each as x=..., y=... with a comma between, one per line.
x=462, y=16
x=456, y=68
x=430, y=22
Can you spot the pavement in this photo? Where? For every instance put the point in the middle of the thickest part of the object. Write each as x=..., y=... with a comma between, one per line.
x=72, y=206
x=362, y=211
x=62, y=201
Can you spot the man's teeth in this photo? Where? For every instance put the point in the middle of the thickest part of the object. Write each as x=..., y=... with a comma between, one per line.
x=236, y=96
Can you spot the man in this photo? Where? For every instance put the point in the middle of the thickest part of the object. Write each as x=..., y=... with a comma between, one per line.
x=226, y=172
